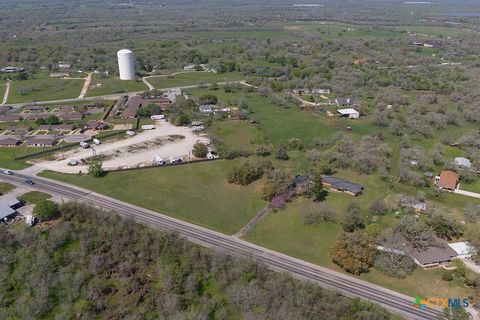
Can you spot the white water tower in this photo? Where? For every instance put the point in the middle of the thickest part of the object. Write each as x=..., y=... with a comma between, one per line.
x=126, y=65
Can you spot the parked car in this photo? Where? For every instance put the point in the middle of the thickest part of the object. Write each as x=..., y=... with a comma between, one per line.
x=7, y=172
x=83, y=161
x=72, y=162
x=174, y=160
x=30, y=182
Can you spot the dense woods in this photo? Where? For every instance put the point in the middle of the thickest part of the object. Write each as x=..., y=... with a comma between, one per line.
x=92, y=264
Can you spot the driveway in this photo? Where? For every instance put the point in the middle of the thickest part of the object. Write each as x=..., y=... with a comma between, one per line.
x=467, y=193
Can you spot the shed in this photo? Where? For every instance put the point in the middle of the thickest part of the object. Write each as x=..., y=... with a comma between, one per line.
x=463, y=249
x=462, y=162
x=348, y=113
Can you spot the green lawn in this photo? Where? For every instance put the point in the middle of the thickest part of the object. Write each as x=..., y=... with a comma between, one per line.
x=34, y=197
x=198, y=193
x=114, y=85
x=7, y=154
x=40, y=87
x=6, y=187
x=238, y=135
x=189, y=79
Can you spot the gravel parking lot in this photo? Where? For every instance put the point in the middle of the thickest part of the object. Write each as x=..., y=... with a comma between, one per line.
x=165, y=140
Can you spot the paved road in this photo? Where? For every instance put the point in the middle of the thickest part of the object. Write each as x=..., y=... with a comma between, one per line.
x=395, y=302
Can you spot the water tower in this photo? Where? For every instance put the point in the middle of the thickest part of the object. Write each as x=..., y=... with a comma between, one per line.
x=126, y=65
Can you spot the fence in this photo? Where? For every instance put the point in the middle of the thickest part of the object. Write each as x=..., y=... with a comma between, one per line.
x=159, y=166
x=62, y=147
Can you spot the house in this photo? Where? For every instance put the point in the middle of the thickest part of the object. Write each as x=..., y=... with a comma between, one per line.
x=340, y=185
x=463, y=249
x=41, y=142
x=10, y=118
x=95, y=125
x=206, y=108
x=348, y=113
x=301, y=91
x=132, y=106
x=63, y=127
x=36, y=116
x=322, y=91
x=5, y=109
x=10, y=142
x=447, y=180
x=72, y=116
x=45, y=127
x=6, y=212
x=463, y=163
x=65, y=109
x=433, y=256
x=343, y=102
x=19, y=129
x=35, y=109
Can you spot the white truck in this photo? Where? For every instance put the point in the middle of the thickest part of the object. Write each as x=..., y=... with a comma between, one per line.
x=96, y=142
x=158, y=160
x=84, y=145
x=148, y=127
x=157, y=117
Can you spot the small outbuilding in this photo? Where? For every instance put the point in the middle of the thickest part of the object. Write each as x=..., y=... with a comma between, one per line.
x=348, y=113
x=461, y=162
x=463, y=249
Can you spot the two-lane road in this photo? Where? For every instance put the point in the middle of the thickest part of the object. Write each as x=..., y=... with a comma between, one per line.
x=394, y=302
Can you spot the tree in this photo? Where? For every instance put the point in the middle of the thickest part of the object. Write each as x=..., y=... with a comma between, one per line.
x=455, y=314
x=200, y=150
x=95, y=168
x=53, y=119
x=352, y=220
x=276, y=184
x=182, y=119
x=416, y=232
x=378, y=207
x=45, y=210
x=353, y=252
x=262, y=150
x=149, y=110
x=317, y=190
x=214, y=86
x=471, y=212
x=248, y=172
x=282, y=153
x=445, y=227
x=394, y=260
x=40, y=121
x=208, y=99
x=314, y=214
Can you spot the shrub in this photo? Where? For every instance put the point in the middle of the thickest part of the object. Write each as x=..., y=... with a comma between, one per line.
x=45, y=210
x=200, y=150
x=447, y=275
x=282, y=153
x=248, y=172
x=262, y=150
x=295, y=144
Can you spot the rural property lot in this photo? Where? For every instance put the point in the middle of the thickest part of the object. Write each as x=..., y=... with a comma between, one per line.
x=165, y=140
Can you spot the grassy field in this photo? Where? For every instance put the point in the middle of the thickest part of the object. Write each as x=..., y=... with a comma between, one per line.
x=198, y=193
x=34, y=197
x=7, y=157
x=284, y=231
x=114, y=85
x=6, y=187
x=189, y=79
x=40, y=87
x=260, y=35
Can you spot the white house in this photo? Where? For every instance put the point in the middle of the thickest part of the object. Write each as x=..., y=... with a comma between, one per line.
x=348, y=113
x=463, y=249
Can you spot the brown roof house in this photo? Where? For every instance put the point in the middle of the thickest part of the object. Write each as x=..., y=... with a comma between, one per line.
x=19, y=129
x=434, y=256
x=95, y=125
x=447, y=181
x=41, y=142
x=10, y=118
x=10, y=142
